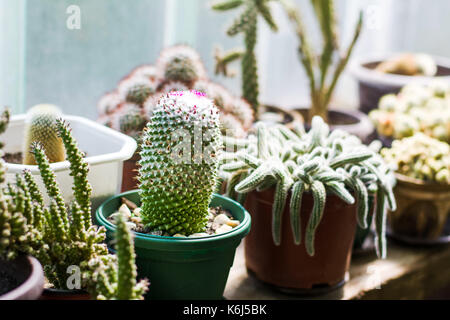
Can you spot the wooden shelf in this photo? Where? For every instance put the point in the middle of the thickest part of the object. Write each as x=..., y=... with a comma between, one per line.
x=406, y=273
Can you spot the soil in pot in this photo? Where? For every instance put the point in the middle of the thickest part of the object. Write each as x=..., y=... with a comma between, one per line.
x=352, y=121
x=58, y=294
x=288, y=267
x=273, y=114
x=21, y=279
x=180, y=267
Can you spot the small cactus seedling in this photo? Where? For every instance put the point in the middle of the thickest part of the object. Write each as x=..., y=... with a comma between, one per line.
x=177, y=178
x=41, y=128
x=113, y=277
x=246, y=23
x=136, y=89
x=319, y=162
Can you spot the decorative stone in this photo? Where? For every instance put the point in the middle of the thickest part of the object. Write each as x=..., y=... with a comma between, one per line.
x=224, y=228
x=125, y=211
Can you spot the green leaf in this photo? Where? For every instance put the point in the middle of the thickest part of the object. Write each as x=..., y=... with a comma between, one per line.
x=226, y=5
x=279, y=203
x=319, y=194
x=295, y=206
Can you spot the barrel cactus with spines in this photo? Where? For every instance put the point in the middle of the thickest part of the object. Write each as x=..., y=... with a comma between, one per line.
x=179, y=162
x=137, y=89
x=41, y=128
x=318, y=162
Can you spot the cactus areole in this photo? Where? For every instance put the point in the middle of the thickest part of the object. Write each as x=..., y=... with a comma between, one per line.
x=179, y=162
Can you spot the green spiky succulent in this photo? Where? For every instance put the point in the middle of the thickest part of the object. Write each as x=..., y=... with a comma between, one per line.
x=113, y=277
x=41, y=127
x=318, y=162
x=246, y=23
x=179, y=160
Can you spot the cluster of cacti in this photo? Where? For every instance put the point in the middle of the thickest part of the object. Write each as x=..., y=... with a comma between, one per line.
x=178, y=68
x=113, y=277
x=179, y=160
x=60, y=238
x=320, y=162
x=409, y=64
x=322, y=76
x=416, y=108
x=41, y=127
x=16, y=234
x=247, y=24
x=420, y=157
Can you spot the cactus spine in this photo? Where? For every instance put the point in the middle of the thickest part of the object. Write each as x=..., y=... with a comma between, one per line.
x=246, y=23
x=176, y=177
x=41, y=127
x=318, y=162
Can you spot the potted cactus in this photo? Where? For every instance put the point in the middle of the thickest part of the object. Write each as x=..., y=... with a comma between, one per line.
x=129, y=107
x=379, y=75
x=324, y=70
x=105, y=150
x=321, y=183
x=423, y=190
x=21, y=275
x=180, y=149
x=416, y=108
x=247, y=24
x=62, y=239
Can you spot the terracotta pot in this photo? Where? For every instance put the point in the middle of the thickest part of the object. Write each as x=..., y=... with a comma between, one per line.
x=352, y=121
x=422, y=208
x=130, y=173
x=288, y=266
x=58, y=294
x=373, y=84
x=27, y=272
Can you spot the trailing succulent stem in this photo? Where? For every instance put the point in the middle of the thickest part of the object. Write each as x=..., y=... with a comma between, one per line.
x=113, y=277
x=179, y=160
x=246, y=23
x=323, y=77
x=319, y=163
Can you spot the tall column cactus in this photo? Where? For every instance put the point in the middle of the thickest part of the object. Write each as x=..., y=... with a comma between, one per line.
x=246, y=23
x=177, y=178
x=322, y=81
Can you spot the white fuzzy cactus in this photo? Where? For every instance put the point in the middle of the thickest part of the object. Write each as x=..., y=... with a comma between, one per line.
x=318, y=162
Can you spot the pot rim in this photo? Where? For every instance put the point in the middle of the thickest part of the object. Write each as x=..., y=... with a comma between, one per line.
x=237, y=232
x=367, y=75
x=421, y=183
x=34, y=280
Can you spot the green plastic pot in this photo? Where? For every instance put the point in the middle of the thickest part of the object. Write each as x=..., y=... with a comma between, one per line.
x=183, y=268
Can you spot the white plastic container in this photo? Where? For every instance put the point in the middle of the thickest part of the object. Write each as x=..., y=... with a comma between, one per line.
x=105, y=149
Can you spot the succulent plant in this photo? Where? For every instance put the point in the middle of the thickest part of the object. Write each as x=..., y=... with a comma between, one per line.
x=130, y=115
x=416, y=108
x=246, y=23
x=322, y=82
x=409, y=64
x=320, y=162
x=181, y=63
x=420, y=157
x=136, y=89
x=41, y=127
x=113, y=277
x=177, y=178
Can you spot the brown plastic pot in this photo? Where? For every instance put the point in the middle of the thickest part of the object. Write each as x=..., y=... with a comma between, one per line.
x=288, y=267
x=130, y=173
x=351, y=121
x=58, y=294
x=422, y=208
x=27, y=272
x=374, y=84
